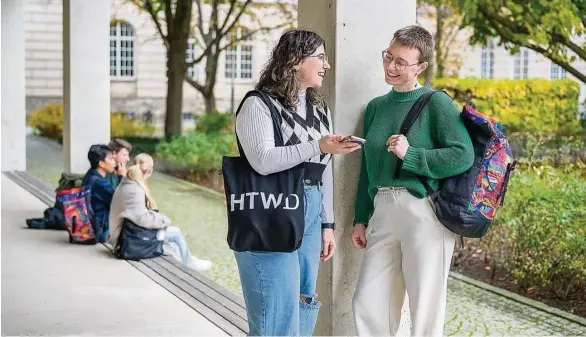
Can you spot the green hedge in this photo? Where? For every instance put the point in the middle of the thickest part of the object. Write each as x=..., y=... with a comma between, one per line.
x=143, y=144
x=215, y=123
x=533, y=106
x=198, y=152
x=201, y=151
x=539, y=236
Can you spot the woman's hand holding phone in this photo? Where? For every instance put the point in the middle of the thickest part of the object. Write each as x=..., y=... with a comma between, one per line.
x=354, y=139
x=336, y=145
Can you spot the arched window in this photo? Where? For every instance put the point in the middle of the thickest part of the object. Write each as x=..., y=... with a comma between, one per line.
x=121, y=50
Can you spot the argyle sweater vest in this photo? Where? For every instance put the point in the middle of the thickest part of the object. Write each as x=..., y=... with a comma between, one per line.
x=296, y=130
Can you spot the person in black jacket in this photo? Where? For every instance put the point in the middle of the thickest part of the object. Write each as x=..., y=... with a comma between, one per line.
x=102, y=163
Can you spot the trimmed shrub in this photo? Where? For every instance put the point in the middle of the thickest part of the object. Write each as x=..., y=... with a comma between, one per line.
x=532, y=106
x=198, y=152
x=540, y=235
x=215, y=123
x=48, y=120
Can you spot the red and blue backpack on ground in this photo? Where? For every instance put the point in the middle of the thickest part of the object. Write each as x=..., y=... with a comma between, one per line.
x=466, y=204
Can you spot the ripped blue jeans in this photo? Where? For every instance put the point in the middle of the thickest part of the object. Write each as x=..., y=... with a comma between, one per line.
x=279, y=288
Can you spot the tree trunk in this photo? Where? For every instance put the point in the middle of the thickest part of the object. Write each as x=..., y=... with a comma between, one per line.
x=211, y=72
x=210, y=102
x=439, y=35
x=429, y=72
x=175, y=73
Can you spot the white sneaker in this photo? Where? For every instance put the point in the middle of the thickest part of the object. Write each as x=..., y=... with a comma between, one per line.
x=198, y=264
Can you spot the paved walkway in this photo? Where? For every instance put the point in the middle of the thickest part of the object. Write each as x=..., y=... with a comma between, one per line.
x=51, y=287
x=470, y=311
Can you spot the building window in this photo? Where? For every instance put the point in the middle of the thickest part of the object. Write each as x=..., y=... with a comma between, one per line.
x=121, y=50
x=189, y=57
x=522, y=64
x=557, y=72
x=239, y=56
x=487, y=61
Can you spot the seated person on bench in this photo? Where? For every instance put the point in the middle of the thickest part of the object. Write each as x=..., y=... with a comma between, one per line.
x=134, y=202
x=121, y=150
x=102, y=163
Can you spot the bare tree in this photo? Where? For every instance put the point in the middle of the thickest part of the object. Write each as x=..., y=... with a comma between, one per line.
x=208, y=22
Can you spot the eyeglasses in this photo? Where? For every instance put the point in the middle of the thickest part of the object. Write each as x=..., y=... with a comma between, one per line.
x=399, y=64
x=321, y=57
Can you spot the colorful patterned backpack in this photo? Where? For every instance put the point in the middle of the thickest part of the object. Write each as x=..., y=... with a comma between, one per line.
x=78, y=214
x=466, y=204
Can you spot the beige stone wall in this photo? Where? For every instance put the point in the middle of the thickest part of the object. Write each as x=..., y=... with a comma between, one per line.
x=43, y=50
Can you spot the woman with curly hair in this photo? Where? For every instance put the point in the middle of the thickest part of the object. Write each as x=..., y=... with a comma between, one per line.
x=279, y=288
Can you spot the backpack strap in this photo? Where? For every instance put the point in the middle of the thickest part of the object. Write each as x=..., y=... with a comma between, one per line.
x=415, y=111
x=408, y=122
x=274, y=115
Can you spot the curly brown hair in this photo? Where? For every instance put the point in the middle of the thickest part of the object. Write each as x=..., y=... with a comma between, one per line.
x=279, y=77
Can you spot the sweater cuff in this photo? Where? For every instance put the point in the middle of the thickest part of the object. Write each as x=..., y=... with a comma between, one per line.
x=411, y=161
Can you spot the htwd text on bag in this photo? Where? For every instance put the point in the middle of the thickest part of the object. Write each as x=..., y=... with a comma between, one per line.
x=265, y=212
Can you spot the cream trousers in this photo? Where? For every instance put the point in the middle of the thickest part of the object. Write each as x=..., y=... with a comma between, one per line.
x=407, y=250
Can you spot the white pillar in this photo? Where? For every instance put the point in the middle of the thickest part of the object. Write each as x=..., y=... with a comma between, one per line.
x=13, y=87
x=86, y=79
x=356, y=32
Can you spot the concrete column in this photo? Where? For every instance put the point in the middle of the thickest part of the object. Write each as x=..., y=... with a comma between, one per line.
x=356, y=32
x=86, y=79
x=13, y=88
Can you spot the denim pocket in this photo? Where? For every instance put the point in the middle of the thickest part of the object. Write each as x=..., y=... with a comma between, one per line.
x=308, y=317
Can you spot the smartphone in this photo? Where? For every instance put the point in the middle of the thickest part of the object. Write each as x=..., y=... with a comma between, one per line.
x=354, y=139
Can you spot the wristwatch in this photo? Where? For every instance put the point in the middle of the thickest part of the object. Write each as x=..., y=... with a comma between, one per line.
x=331, y=225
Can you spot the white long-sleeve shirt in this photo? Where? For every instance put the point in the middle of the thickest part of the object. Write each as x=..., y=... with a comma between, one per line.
x=254, y=127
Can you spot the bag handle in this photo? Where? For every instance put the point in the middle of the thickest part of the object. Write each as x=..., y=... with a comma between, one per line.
x=274, y=115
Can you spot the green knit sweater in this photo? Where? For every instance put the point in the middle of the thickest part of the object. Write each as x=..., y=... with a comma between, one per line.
x=439, y=146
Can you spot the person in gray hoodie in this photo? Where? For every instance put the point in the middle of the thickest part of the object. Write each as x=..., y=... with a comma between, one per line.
x=133, y=201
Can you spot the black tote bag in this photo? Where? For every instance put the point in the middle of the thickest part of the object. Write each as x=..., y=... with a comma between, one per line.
x=137, y=243
x=265, y=213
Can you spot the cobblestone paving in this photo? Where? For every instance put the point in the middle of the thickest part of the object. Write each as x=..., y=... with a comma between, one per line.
x=471, y=311
x=475, y=311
